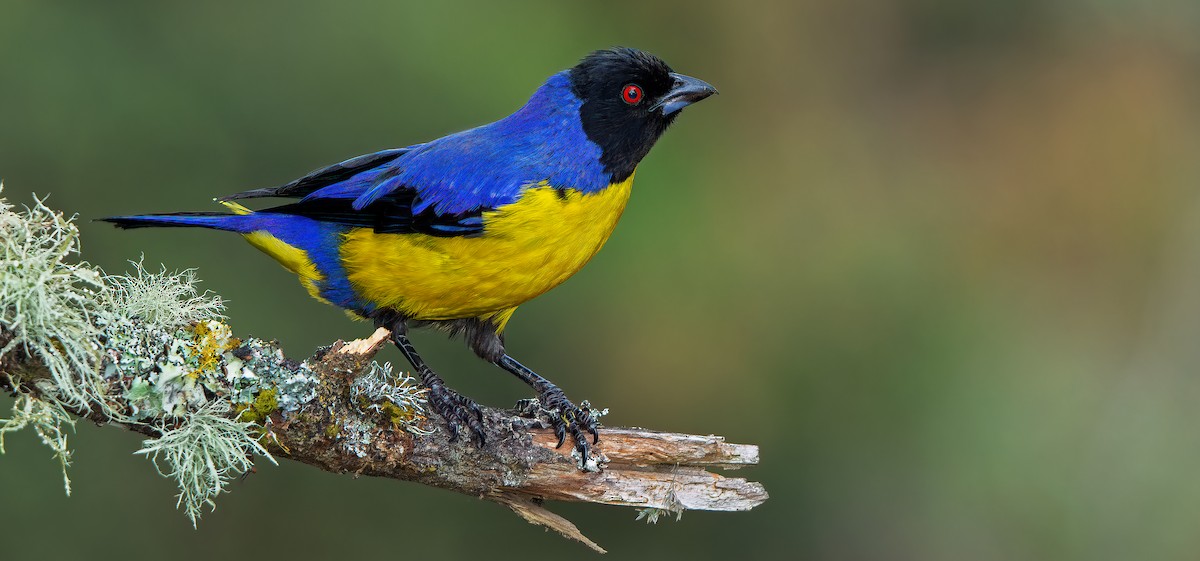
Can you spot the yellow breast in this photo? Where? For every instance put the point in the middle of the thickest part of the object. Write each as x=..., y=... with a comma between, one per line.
x=527, y=248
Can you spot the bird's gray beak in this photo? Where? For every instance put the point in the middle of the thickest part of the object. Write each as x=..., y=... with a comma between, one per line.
x=686, y=91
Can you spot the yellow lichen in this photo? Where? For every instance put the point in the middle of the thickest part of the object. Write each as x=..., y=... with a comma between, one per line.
x=212, y=339
x=397, y=415
x=257, y=411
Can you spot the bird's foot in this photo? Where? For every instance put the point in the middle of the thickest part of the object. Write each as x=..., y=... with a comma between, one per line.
x=457, y=410
x=565, y=418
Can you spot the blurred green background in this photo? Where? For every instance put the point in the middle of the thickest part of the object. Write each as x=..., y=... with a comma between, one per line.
x=938, y=258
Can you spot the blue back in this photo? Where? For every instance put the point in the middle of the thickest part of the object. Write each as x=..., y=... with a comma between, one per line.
x=490, y=166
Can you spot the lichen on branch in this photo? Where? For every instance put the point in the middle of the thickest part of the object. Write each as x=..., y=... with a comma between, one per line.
x=150, y=351
x=48, y=419
x=48, y=305
x=203, y=454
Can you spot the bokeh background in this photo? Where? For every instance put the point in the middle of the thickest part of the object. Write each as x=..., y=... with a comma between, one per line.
x=940, y=259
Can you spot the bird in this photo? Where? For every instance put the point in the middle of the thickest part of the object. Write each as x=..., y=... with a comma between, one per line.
x=455, y=233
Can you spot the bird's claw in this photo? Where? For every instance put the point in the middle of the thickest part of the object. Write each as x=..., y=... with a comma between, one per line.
x=567, y=418
x=457, y=410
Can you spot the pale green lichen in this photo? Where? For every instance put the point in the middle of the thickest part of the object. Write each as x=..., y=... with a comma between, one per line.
x=651, y=514
x=162, y=298
x=258, y=365
x=396, y=396
x=47, y=305
x=144, y=349
x=379, y=392
x=166, y=372
x=203, y=454
x=211, y=394
x=47, y=419
x=355, y=435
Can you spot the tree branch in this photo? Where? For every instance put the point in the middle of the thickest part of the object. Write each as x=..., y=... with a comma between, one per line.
x=519, y=467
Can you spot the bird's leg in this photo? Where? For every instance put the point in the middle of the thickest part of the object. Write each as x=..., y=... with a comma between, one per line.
x=565, y=416
x=452, y=406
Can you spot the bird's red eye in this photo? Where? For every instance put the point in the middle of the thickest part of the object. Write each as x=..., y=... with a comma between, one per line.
x=632, y=94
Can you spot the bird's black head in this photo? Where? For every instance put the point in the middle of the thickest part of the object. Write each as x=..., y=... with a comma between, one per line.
x=629, y=99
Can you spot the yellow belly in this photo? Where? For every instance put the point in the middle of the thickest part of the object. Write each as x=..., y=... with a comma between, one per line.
x=527, y=248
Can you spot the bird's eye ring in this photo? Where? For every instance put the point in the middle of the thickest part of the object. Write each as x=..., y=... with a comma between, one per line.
x=632, y=94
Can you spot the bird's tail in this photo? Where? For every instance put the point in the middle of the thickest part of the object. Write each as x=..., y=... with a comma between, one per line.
x=240, y=221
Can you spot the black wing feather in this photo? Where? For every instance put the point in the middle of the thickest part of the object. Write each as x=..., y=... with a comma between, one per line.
x=323, y=177
x=389, y=215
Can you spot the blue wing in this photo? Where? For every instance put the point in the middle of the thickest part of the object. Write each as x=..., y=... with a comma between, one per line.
x=328, y=193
